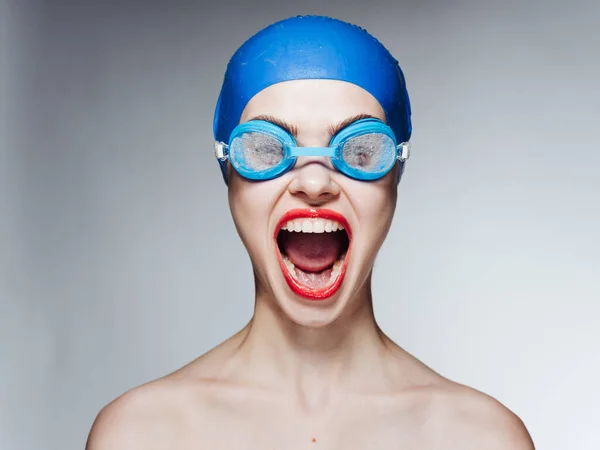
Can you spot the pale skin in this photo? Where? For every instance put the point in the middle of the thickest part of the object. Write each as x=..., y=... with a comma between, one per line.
x=305, y=374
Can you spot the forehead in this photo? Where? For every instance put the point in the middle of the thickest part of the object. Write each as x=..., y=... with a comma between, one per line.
x=313, y=104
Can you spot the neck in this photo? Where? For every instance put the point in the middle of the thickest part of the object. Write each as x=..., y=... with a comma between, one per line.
x=343, y=353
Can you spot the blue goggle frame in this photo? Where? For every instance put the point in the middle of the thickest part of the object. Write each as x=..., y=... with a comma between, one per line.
x=291, y=151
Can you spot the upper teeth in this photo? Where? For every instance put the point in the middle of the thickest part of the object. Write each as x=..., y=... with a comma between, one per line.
x=312, y=225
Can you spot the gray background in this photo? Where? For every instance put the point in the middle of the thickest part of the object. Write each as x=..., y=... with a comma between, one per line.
x=117, y=249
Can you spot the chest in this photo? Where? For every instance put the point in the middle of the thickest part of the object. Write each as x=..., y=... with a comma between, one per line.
x=349, y=440
x=343, y=431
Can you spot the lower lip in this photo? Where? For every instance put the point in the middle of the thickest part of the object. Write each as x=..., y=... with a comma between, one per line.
x=297, y=288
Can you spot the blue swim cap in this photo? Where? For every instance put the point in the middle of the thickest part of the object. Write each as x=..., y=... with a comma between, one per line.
x=312, y=47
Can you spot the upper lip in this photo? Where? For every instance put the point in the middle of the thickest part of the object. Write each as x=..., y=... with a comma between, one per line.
x=313, y=213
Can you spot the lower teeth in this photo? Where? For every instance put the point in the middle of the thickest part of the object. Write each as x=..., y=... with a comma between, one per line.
x=336, y=269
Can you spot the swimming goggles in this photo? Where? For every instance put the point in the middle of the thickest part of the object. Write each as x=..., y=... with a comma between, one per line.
x=259, y=150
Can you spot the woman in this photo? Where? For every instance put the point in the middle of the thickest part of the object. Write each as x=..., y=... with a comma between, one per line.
x=312, y=132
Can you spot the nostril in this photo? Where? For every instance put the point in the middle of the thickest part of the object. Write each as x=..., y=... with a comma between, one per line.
x=315, y=195
x=314, y=182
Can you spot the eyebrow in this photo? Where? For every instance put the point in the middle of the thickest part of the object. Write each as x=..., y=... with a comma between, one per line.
x=332, y=129
x=335, y=129
x=290, y=128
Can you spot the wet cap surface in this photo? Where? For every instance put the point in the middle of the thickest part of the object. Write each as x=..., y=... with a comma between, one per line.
x=312, y=47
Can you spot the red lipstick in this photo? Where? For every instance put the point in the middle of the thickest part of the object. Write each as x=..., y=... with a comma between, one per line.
x=298, y=288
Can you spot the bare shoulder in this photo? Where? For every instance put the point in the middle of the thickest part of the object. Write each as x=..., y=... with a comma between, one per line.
x=164, y=413
x=151, y=417
x=462, y=417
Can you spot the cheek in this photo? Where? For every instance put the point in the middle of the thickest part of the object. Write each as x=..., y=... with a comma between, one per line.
x=246, y=217
x=375, y=206
x=375, y=202
x=251, y=206
x=379, y=216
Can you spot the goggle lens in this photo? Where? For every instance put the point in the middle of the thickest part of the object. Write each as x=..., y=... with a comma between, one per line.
x=256, y=151
x=370, y=153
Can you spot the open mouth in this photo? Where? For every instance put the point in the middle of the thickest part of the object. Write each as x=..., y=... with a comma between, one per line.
x=313, y=247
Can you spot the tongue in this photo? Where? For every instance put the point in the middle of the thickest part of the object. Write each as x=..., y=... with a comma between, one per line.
x=312, y=252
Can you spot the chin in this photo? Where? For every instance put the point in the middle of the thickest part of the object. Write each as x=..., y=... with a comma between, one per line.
x=308, y=312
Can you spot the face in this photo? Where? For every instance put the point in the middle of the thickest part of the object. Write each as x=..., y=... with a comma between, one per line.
x=313, y=273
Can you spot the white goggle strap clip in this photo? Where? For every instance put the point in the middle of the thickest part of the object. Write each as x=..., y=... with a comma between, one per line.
x=221, y=151
x=403, y=151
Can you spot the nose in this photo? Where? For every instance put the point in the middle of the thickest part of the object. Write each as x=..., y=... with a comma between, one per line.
x=313, y=180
